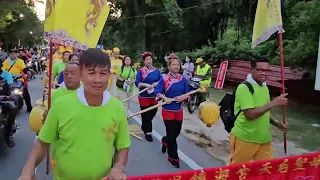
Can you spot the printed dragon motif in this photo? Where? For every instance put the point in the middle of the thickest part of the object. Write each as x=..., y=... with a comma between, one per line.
x=93, y=15
x=49, y=7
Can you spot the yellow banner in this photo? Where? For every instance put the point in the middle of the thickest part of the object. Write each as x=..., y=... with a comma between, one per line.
x=75, y=23
x=268, y=20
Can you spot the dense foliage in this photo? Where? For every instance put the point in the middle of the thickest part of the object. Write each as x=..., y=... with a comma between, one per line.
x=215, y=29
x=19, y=23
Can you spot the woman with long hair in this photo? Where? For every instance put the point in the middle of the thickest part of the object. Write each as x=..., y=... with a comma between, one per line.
x=188, y=68
x=147, y=77
x=126, y=75
x=172, y=86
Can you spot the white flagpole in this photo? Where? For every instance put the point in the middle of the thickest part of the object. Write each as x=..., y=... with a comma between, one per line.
x=317, y=83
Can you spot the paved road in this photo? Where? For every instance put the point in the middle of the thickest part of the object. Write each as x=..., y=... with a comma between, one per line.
x=144, y=158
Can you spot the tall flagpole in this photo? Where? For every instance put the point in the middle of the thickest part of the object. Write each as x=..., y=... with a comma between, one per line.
x=317, y=82
x=49, y=100
x=283, y=90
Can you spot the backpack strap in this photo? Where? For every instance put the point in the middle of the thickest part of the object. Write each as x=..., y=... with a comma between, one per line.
x=250, y=87
x=12, y=65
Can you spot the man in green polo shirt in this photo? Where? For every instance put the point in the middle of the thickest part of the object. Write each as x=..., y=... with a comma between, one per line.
x=250, y=138
x=86, y=126
x=60, y=65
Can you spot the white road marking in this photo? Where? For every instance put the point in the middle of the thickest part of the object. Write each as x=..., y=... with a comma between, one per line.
x=186, y=159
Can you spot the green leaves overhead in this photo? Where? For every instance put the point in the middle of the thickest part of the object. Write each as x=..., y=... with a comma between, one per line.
x=18, y=22
x=217, y=29
x=173, y=13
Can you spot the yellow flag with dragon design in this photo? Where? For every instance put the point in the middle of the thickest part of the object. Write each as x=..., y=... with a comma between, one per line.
x=268, y=20
x=75, y=23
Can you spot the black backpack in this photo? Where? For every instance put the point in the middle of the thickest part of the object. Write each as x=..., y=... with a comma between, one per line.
x=227, y=108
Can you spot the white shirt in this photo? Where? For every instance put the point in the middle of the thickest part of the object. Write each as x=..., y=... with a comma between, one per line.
x=188, y=69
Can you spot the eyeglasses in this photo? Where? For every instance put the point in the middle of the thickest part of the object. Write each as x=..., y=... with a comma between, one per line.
x=262, y=70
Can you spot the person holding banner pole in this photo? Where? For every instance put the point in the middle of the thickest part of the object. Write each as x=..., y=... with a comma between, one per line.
x=147, y=77
x=250, y=138
x=172, y=85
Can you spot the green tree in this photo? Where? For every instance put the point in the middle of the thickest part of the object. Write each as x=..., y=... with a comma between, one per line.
x=19, y=23
x=217, y=29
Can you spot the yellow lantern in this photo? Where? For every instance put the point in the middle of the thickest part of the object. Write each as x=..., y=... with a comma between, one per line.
x=209, y=112
x=36, y=118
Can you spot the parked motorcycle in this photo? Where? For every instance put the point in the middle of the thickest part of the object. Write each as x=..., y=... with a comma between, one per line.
x=195, y=100
x=17, y=92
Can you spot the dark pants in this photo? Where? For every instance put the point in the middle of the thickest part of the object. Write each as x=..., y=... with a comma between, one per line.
x=35, y=68
x=12, y=113
x=146, y=118
x=173, y=129
x=27, y=98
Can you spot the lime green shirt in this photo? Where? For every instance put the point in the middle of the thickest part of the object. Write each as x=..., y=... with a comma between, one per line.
x=58, y=67
x=85, y=137
x=125, y=75
x=254, y=131
x=56, y=94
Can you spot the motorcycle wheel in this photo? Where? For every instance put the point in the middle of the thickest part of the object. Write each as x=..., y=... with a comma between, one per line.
x=19, y=103
x=192, y=104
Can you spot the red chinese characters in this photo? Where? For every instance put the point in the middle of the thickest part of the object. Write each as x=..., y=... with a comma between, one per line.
x=305, y=166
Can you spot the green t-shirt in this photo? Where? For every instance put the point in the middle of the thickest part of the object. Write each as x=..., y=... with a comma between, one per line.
x=125, y=75
x=58, y=67
x=258, y=130
x=56, y=94
x=85, y=137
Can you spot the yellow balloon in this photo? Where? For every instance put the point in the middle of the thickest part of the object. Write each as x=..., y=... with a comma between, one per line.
x=36, y=118
x=209, y=112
